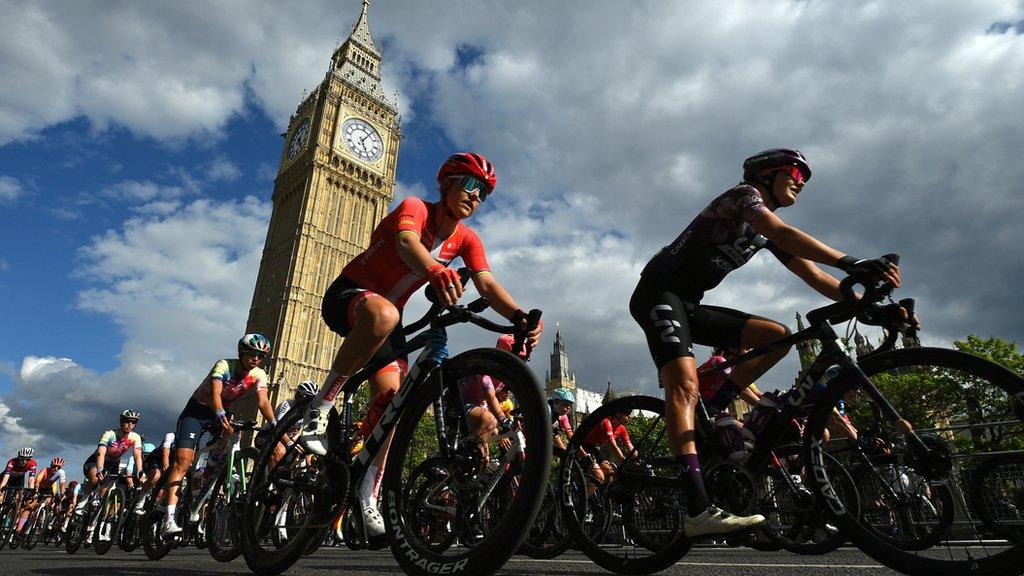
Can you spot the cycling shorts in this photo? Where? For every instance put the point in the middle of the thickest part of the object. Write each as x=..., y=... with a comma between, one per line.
x=16, y=479
x=673, y=324
x=191, y=422
x=338, y=311
x=596, y=452
x=110, y=465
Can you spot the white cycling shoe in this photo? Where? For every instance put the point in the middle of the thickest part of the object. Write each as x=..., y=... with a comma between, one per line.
x=373, y=522
x=313, y=437
x=105, y=532
x=715, y=521
x=140, y=506
x=170, y=528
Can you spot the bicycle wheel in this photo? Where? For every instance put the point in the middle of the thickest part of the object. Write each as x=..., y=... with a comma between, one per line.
x=33, y=531
x=650, y=534
x=129, y=537
x=963, y=407
x=903, y=507
x=997, y=493
x=75, y=533
x=431, y=504
x=493, y=508
x=794, y=518
x=110, y=512
x=224, y=514
x=269, y=546
x=548, y=537
x=153, y=542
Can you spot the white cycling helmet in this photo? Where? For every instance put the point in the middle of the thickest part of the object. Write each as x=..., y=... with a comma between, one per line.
x=26, y=452
x=307, y=388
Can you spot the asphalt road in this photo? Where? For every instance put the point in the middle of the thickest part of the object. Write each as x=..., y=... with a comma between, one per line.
x=699, y=562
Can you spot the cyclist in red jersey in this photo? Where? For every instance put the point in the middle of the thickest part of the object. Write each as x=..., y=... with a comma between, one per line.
x=667, y=304
x=411, y=246
x=20, y=470
x=604, y=436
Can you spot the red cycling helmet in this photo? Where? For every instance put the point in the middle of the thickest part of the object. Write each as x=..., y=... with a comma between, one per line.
x=468, y=163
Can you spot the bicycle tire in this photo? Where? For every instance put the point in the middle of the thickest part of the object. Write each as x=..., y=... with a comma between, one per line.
x=669, y=540
x=114, y=498
x=931, y=537
x=75, y=533
x=229, y=512
x=552, y=538
x=262, y=553
x=153, y=543
x=982, y=490
x=35, y=529
x=949, y=561
x=507, y=531
x=808, y=513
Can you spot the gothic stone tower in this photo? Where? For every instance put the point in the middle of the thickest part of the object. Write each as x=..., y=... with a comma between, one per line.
x=334, y=183
x=559, y=376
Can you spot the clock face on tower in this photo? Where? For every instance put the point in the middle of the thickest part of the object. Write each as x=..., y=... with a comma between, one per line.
x=362, y=139
x=298, y=138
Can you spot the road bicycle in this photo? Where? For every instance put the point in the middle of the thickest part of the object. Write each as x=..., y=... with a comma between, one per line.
x=9, y=514
x=491, y=514
x=892, y=393
x=207, y=508
x=98, y=522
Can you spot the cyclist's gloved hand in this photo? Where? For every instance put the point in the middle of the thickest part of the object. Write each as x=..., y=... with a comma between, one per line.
x=100, y=475
x=223, y=418
x=507, y=424
x=446, y=283
x=875, y=266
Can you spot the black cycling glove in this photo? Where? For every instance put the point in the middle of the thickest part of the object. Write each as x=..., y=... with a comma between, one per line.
x=874, y=266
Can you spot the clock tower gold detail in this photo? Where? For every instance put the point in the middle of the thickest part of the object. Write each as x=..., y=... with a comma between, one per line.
x=335, y=180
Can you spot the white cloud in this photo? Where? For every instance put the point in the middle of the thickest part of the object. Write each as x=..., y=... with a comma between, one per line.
x=10, y=189
x=221, y=169
x=611, y=125
x=178, y=285
x=141, y=191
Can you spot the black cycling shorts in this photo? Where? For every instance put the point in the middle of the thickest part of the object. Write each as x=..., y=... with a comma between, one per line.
x=334, y=310
x=673, y=324
x=110, y=465
x=191, y=422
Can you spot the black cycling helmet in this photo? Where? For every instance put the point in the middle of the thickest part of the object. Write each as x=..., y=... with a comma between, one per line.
x=775, y=158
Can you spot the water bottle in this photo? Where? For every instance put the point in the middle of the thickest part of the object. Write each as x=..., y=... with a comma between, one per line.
x=437, y=348
x=767, y=407
x=731, y=435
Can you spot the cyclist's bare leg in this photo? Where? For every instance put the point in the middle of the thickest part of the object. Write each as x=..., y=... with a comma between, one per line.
x=375, y=318
x=182, y=460
x=758, y=332
x=679, y=378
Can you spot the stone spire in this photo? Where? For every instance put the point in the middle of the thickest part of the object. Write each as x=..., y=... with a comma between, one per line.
x=357, y=61
x=560, y=376
x=807, y=351
x=609, y=394
x=361, y=31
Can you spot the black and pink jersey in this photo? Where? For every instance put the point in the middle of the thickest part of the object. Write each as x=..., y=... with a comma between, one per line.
x=719, y=240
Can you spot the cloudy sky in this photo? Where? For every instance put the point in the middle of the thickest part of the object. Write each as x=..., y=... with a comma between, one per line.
x=139, y=143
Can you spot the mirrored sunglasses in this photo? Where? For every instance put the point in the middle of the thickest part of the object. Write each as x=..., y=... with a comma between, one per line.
x=795, y=173
x=473, y=184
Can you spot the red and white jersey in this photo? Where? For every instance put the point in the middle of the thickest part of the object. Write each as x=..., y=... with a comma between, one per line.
x=19, y=469
x=381, y=270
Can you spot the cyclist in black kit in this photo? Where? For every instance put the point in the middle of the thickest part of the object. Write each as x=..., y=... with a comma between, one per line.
x=666, y=304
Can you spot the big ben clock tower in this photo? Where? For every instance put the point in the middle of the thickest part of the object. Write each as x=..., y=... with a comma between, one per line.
x=334, y=183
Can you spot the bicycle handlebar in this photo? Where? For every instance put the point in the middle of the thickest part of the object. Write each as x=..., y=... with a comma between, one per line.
x=440, y=316
x=866, y=308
